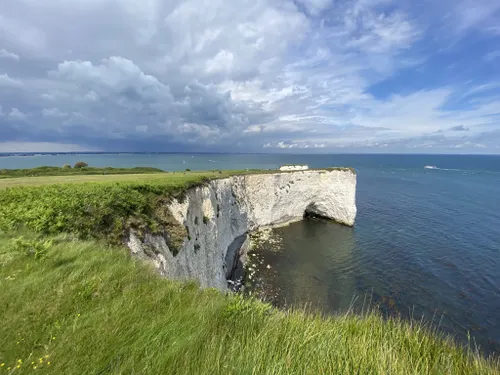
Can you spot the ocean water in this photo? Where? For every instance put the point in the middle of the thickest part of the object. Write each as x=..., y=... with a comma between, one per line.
x=426, y=241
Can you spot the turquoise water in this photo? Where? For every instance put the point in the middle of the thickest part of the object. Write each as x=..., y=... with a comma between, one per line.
x=426, y=241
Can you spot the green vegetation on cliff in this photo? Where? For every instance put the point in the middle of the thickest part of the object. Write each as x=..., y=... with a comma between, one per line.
x=86, y=308
x=104, y=207
x=92, y=210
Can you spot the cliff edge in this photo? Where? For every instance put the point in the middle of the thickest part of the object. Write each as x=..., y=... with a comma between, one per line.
x=218, y=216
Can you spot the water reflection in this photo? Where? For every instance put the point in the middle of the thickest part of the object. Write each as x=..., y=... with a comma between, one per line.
x=313, y=270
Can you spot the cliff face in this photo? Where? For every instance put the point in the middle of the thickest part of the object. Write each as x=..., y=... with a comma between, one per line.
x=218, y=216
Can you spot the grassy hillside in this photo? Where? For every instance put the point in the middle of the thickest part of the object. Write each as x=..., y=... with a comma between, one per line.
x=74, y=307
x=78, y=304
x=179, y=179
x=54, y=175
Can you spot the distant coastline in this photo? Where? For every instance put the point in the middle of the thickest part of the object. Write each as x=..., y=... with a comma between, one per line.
x=7, y=154
x=10, y=154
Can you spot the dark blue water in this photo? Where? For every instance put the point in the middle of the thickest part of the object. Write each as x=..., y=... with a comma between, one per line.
x=426, y=242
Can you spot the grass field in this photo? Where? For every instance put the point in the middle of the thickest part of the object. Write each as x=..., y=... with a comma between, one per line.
x=72, y=301
x=54, y=175
x=171, y=178
x=61, y=171
x=75, y=307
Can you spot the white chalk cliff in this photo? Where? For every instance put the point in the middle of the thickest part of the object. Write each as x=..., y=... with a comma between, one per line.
x=219, y=215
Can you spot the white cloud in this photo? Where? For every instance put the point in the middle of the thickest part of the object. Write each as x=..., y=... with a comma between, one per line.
x=222, y=62
x=53, y=112
x=295, y=145
x=379, y=33
x=315, y=7
x=476, y=14
x=4, y=54
x=491, y=56
x=21, y=32
x=16, y=115
x=6, y=81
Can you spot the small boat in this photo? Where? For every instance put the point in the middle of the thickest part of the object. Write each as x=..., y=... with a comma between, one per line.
x=430, y=167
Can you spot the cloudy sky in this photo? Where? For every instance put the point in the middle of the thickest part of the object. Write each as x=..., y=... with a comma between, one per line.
x=250, y=75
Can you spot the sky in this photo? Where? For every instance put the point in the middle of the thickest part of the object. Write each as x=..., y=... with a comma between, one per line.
x=311, y=76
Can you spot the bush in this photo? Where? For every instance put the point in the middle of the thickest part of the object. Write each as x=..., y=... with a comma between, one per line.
x=188, y=170
x=66, y=166
x=37, y=249
x=81, y=164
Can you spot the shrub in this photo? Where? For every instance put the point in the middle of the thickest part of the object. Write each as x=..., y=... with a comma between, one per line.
x=81, y=164
x=188, y=170
x=205, y=220
x=66, y=166
x=37, y=249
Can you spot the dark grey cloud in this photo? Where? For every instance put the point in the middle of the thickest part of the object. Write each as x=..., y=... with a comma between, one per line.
x=460, y=128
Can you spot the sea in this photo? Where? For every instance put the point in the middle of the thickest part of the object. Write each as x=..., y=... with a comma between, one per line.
x=425, y=246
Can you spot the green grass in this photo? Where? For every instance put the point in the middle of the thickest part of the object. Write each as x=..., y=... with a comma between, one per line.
x=167, y=178
x=59, y=171
x=30, y=177
x=89, y=309
x=104, y=207
x=58, y=180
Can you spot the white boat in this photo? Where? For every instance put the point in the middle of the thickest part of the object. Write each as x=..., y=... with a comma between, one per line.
x=430, y=167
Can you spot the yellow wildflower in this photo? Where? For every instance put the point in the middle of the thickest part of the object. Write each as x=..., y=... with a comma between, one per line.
x=18, y=366
x=34, y=367
x=46, y=356
x=48, y=363
x=3, y=364
x=19, y=361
